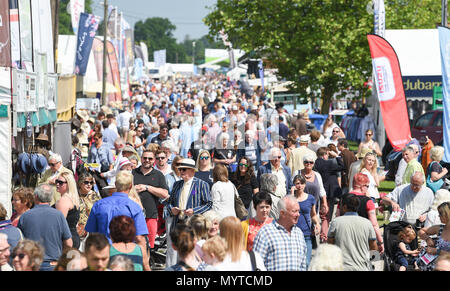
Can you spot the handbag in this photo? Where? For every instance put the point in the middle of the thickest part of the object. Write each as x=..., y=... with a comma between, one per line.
x=241, y=211
x=436, y=185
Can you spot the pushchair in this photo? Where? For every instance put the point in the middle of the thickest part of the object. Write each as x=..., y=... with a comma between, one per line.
x=390, y=238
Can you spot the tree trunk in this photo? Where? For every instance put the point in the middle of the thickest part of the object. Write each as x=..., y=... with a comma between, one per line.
x=327, y=96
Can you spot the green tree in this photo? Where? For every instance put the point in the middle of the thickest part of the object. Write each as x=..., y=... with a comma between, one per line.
x=200, y=45
x=65, y=19
x=320, y=45
x=157, y=34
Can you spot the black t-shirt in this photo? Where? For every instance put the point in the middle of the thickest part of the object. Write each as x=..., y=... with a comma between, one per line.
x=245, y=190
x=150, y=202
x=223, y=154
x=205, y=176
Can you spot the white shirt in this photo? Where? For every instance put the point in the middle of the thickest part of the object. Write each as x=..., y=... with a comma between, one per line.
x=281, y=186
x=243, y=264
x=222, y=194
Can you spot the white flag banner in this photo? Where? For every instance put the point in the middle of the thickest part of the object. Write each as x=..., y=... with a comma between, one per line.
x=159, y=58
x=76, y=7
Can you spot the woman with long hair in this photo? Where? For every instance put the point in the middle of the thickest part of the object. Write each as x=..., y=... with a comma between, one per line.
x=222, y=192
x=308, y=215
x=237, y=258
x=88, y=197
x=369, y=167
x=245, y=181
x=69, y=203
x=204, y=167
x=184, y=242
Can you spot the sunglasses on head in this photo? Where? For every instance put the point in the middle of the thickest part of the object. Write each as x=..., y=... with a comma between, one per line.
x=21, y=256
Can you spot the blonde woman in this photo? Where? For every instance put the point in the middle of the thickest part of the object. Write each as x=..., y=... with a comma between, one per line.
x=69, y=203
x=237, y=257
x=369, y=166
x=204, y=167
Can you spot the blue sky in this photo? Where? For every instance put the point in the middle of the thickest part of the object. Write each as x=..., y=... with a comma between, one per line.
x=186, y=15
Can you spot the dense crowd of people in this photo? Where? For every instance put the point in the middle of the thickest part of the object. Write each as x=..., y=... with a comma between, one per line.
x=231, y=181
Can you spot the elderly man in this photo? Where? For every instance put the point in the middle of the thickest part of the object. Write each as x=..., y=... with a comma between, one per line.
x=50, y=175
x=295, y=162
x=268, y=184
x=415, y=198
x=119, y=145
x=4, y=253
x=281, y=243
x=282, y=172
x=189, y=196
x=151, y=186
x=46, y=225
x=413, y=165
x=119, y=203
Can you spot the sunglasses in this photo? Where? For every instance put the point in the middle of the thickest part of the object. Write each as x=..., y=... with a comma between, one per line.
x=204, y=158
x=336, y=131
x=147, y=158
x=279, y=157
x=182, y=169
x=308, y=162
x=53, y=164
x=368, y=134
x=88, y=182
x=243, y=165
x=21, y=256
x=59, y=182
x=160, y=158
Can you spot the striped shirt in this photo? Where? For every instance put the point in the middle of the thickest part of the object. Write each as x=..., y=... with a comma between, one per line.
x=280, y=250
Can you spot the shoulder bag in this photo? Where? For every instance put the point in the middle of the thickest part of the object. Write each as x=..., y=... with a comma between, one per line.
x=241, y=211
x=436, y=185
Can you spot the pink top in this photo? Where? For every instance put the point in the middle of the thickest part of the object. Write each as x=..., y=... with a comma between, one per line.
x=253, y=228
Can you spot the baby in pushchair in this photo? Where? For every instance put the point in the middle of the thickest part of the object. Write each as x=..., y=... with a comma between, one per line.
x=404, y=256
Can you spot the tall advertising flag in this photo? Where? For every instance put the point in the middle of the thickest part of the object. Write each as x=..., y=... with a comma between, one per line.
x=389, y=84
x=76, y=8
x=379, y=14
x=5, y=39
x=444, y=43
x=86, y=32
x=261, y=73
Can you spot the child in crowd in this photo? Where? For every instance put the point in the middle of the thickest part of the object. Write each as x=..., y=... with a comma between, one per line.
x=214, y=252
x=404, y=255
x=200, y=226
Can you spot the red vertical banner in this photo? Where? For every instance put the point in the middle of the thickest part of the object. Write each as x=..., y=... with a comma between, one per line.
x=112, y=56
x=5, y=35
x=390, y=92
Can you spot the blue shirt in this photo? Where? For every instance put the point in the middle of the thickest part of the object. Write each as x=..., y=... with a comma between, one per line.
x=280, y=250
x=48, y=226
x=101, y=155
x=14, y=234
x=109, y=137
x=107, y=208
x=304, y=221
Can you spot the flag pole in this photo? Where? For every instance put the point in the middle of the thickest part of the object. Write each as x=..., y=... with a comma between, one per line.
x=105, y=25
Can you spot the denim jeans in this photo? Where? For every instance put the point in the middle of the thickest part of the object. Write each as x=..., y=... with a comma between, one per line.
x=308, y=249
x=45, y=266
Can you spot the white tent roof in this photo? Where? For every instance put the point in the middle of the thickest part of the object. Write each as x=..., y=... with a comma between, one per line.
x=417, y=50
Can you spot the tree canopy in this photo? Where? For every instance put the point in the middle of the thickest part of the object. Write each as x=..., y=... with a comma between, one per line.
x=320, y=45
x=65, y=20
